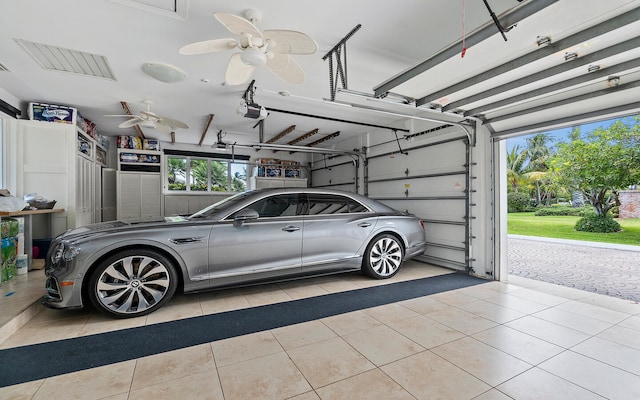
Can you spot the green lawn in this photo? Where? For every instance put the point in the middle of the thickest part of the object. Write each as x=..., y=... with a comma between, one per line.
x=562, y=228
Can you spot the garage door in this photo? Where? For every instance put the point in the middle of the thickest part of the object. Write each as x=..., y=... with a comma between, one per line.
x=427, y=174
x=335, y=172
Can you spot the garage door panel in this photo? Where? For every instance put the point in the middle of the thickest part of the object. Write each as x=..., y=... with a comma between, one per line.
x=454, y=185
x=454, y=256
x=445, y=210
x=415, y=164
x=450, y=235
x=339, y=174
x=430, y=182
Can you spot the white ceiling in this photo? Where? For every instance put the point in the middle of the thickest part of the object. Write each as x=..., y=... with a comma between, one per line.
x=394, y=37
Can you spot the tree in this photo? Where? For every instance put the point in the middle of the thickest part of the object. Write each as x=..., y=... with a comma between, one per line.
x=538, y=154
x=601, y=162
x=516, y=162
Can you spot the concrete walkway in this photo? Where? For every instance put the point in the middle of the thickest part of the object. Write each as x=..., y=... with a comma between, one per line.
x=603, y=268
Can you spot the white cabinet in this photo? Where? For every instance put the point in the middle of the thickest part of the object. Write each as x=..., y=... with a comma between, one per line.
x=139, y=195
x=260, y=182
x=58, y=161
x=139, y=184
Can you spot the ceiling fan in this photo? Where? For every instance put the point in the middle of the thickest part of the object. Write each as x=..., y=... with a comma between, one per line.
x=148, y=119
x=270, y=48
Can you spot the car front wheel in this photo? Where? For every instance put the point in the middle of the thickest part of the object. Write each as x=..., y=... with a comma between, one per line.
x=132, y=283
x=383, y=257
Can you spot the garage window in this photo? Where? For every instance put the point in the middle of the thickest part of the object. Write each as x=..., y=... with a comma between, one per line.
x=196, y=174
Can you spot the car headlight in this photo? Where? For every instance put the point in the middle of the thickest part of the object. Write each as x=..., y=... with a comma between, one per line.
x=65, y=252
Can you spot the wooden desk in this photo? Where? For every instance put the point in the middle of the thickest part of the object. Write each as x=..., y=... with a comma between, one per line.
x=28, y=239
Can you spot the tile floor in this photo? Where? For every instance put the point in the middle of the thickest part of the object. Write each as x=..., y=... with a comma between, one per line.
x=518, y=340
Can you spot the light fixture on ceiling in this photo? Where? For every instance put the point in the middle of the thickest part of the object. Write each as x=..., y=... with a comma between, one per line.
x=253, y=57
x=613, y=81
x=570, y=56
x=164, y=72
x=543, y=40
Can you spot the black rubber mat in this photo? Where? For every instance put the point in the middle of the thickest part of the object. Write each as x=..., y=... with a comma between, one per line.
x=39, y=361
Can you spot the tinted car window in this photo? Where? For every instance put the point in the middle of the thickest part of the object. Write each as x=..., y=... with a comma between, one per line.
x=333, y=204
x=283, y=205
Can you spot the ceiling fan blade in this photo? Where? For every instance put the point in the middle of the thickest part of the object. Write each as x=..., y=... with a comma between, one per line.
x=285, y=68
x=131, y=122
x=237, y=71
x=208, y=46
x=290, y=42
x=238, y=25
x=172, y=123
x=163, y=128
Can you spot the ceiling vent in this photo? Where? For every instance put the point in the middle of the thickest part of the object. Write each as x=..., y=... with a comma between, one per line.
x=59, y=59
x=168, y=8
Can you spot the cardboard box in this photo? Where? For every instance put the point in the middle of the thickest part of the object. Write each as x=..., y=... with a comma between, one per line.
x=52, y=113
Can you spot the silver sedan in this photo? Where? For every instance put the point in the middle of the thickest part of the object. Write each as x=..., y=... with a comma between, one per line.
x=131, y=268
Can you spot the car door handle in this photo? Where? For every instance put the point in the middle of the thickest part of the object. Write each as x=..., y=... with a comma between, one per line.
x=364, y=224
x=291, y=228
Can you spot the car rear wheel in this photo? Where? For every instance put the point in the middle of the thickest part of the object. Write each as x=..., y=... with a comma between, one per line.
x=132, y=283
x=383, y=257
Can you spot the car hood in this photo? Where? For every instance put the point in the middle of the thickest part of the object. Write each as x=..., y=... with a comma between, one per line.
x=121, y=226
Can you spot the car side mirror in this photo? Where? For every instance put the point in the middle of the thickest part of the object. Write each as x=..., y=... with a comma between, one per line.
x=246, y=214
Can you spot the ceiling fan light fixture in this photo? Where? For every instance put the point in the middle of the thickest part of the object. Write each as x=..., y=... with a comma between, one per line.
x=253, y=57
x=164, y=72
x=148, y=124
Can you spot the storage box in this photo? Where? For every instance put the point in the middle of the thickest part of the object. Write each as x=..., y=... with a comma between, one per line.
x=151, y=144
x=292, y=173
x=52, y=113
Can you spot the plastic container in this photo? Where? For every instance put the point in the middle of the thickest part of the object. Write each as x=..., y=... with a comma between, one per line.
x=22, y=264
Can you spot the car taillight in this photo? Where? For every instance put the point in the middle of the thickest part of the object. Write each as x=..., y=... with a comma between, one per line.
x=422, y=225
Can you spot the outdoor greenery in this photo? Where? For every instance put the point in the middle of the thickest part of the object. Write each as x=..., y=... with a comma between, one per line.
x=518, y=202
x=593, y=166
x=597, y=223
x=563, y=210
x=204, y=175
x=562, y=227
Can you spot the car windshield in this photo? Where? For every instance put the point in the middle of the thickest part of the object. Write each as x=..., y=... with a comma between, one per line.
x=223, y=204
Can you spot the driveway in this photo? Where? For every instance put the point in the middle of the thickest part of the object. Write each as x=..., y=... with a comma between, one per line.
x=609, y=269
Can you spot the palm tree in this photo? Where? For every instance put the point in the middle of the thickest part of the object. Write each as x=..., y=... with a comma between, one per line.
x=177, y=172
x=538, y=154
x=516, y=162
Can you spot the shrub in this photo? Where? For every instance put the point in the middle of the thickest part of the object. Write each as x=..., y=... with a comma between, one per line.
x=517, y=202
x=597, y=224
x=563, y=210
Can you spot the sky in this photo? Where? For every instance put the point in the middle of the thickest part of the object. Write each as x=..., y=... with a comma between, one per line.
x=559, y=134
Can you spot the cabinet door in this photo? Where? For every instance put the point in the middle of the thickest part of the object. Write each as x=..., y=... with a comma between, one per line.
x=129, y=198
x=139, y=195
x=150, y=195
x=84, y=191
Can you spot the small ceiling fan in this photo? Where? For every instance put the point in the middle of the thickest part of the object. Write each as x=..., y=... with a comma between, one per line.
x=148, y=119
x=270, y=48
